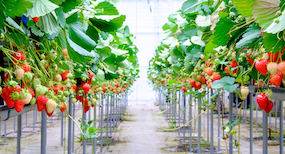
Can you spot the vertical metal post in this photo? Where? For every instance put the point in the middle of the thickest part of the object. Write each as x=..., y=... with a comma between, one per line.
x=184, y=115
x=101, y=121
x=199, y=124
x=190, y=125
x=5, y=133
x=212, y=125
x=219, y=122
x=69, y=126
x=208, y=117
x=61, y=135
x=231, y=119
x=14, y=124
x=73, y=125
x=281, y=139
x=84, y=123
x=179, y=118
x=95, y=122
x=107, y=116
x=265, y=130
x=34, y=114
x=251, y=123
x=43, y=132
x=19, y=133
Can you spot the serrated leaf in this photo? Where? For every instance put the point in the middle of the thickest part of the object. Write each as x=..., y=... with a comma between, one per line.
x=108, y=23
x=187, y=63
x=61, y=40
x=70, y=4
x=203, y=21
x=77, y=35
x=36, y=31
x=41, y=8
x=15, y=8
x=197, y=40
x=48, y=24
x=11, y=22
x=244, y=7
x=190, y=5
x=92, y=33
x=107, y=9
x=265, y=11
x=196, y=52
x=218, y=84
x=118, y=52
x=275, y=27
x=272, y=43
x=190, y=31
x=77, y=53
x=61, y=17
x=231, y=88
x=250, y=39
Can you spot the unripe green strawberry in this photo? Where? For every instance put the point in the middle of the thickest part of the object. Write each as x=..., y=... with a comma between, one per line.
x=93, y=101
x=89, y=103
x=58, y=78
x=272, y=68
x=0, y=90
x=51, y=105
x=66, y=93
x=36, y=82
x=74, y=100
x=70, y=76
x=244, y=92
x=33, y=101
x=19, y=73
x=28, y=77
x=268, y=93
x=41, y=90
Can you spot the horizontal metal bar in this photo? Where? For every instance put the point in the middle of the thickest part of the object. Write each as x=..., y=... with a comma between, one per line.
x=6, y=114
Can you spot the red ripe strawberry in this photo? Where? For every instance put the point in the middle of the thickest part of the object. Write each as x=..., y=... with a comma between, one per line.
x=64, y=106
x=55, y=89
x=281, y=67
x=204, y=80
x=233, y=64
x=89, y=81
x=117, y=85
x=276, y=80
x=85, y=105
x=227, y=70
x=280, y=74
x=207, y=63
x=41, y=102
x=262, y=101
x=64, y=75
x=192, y=83
x=261, y=32
x=48, y=114
x=90, y=75
x=269, y=107
x=79, y=98
x=272, y=68
x=261, y=66
x=198, y=85
x=74, y=86
x=86, y=88
x=209, y=71
x=104, y=89
x=31, y=91
x=19, y=55
x=250, y=61
x=26, y=68
x=125, y=86
x=273, y=56
x=36, y=19
x=19, y=104
x=6, y=76
x=6, y=96
x=216, y=76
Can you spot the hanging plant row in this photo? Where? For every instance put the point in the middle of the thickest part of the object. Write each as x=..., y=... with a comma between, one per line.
x=55, y=49
x=223, y=45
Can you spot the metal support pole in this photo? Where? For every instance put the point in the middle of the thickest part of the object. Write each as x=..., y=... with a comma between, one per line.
x=19, y=133
x=61, y=135
x=43, y=132
x=251, y=123
x=101, y=121
x=95, y=122
x=219, y=122
x=199, y=124
x=73, y=125
x=84, y=123
x=190, y=125
x=265, y=130
x=208, y=117
x=281, y=139
x=212, y=125
x=69, y=125
x=231, y=119
x=184, y=116
x=179, y=118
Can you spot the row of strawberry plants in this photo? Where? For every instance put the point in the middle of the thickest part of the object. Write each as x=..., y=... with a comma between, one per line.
x=223, y=45
x=54, y=49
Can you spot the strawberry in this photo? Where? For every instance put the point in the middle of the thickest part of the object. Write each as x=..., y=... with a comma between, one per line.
x=207, y=63
x=19, y=104
x=216, y=76
x=276, y=80
x=41, y=102
x=48, y=114
x=58, y=78
x=281, y=67
x=273, y=57
x=269, y=107
x=268, y=93
x=26, y=68
x=55, y=89
x=244, y=92
x=64, y=52
x=64, y=107
x=19, y=73
x=19, y=56
x=203, y=80
x=272, y=68
x=125, y=86
x=184, y=89
x=262, y=101
x=86, y=88
x=226, y=69
x=114, y=91
x=90, y=75
x=192, y=83
x=85, y=105
x=261, y=66
x=198, y=85
x=104, y=89
x=64, y=75
x=6, y=76
x=28, y=77
x=233, y=64
x=6, y=96
x=209, y=71
x=36, y=19
x=74, y=86
x=50, y=105
x=261, y=32
x=117, y=85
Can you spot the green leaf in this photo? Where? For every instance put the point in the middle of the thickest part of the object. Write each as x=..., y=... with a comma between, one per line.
x=231, y=88
x=11, y=22
x=118, y=52
x=272, y=43
x=265, y=11
x=60, y=17
x=218, y=84
x=100, y=75
x=91, y=130
x=197, y=40
x=15, y=8
x=250, y=39
x=170, y=25
x=190, y=31
x=108, y=23
x=209, y=48
x=41, y=8
x=277, y=27
x=107, y=9
x=77, y=53
x=77, y=35
x=124, y=64
x=70, y=4
x=196, y=52
x=187, y=61
x=48, y=24
x=203, y=21
x=92, y=33
x=190, y=6
x=36, y=31
x=57, y=2
x=2, y=19
x=229, y=80
x=61, y=40
x=244, y=7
